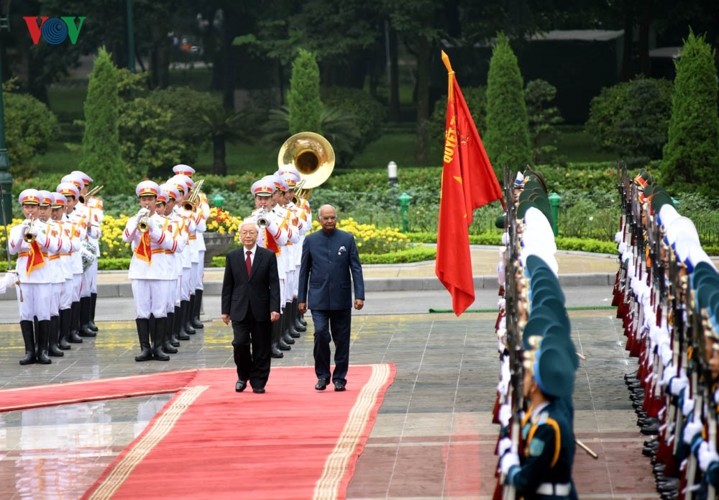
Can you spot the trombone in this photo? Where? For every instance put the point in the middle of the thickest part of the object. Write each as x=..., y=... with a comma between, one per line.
x=194, y=196
x=91, y=193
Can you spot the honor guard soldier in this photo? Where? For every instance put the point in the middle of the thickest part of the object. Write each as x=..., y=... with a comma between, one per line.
x=77, y=234
x=148, y=234
x=543, y=468
x=272, y=235
x=30, y=242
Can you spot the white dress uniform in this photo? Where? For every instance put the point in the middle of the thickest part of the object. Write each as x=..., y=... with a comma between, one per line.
x=149, y=270
x=34, y=294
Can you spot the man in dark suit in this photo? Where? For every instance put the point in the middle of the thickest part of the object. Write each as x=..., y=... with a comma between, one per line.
x=329, y=257
x=251, y=300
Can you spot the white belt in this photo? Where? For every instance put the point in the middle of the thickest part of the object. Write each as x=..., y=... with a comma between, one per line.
x=551, y=489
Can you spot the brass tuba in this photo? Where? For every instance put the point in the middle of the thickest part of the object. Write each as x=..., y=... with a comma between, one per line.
x=313, y=157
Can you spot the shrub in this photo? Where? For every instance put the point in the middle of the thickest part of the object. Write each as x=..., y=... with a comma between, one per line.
x=631, y=119
x=543, y=117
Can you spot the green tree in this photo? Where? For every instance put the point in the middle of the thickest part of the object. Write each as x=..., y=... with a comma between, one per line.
x=543, y=119
x=691, y=155
x=303, y=98
x=101, y=152
x=507, y=135
x=29, y=127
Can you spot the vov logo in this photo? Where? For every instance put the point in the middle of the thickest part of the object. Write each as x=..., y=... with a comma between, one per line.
x=54, y=30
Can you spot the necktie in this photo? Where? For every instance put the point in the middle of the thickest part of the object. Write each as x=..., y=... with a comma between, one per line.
x=248, y=263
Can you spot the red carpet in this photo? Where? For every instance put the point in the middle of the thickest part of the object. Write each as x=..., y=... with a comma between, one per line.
x=292, y=442
x=94, y=390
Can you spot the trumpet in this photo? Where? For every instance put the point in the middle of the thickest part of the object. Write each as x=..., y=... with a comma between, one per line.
x=299, y=193
x=90, y=193
x=193, y=197
x=260, y=216
x=30, y=235
x=142, y=224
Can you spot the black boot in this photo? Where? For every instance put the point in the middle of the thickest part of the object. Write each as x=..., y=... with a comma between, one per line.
x=65, y=319
x=165, y=336
x=169, y=332
x=296, y=315
x=195, y=320
x=85, y=330
x=187, y=318
x=282, y=343
x=93, y=305
x=42, y=337
x=274, y=346
x=177, y=325
x=291, y=318
x=143, y=332
x=286, y=334
x=75, y=324
x=158, y=334
x=54, y=337
x=29, y=339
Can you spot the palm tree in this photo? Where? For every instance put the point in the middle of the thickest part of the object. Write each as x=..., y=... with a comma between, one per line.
x=223, y=125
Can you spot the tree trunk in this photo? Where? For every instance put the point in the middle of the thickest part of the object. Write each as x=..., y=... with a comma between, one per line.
x=645, y=22
x=423, y=72
x=394, y=109
x=219, y=166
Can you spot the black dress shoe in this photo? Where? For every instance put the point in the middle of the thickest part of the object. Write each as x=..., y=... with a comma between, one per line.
x=240, y=385
x=258, y=390
x=340, y=386
x=321, y=384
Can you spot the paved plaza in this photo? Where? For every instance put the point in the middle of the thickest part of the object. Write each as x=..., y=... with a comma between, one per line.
x=433, y=437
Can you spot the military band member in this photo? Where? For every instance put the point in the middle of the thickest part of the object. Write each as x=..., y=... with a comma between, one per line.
x=183, y=185
x=71, y=193
x=203, y=211
x=273, y=235
x=95, y=215
x=148, y=234
x=65, y=295
x=177, y=223
x=55, y=270
x=30, y=242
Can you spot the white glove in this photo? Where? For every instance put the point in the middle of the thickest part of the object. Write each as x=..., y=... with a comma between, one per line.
x=505, y=444
x=507, y=461
x=669, y=372
x=10, y=279
x=505, y=413
x=150, y=224
x=677, y=384
x=706, y=456
x=691, y=430
x=143, y=212
x=688, y=406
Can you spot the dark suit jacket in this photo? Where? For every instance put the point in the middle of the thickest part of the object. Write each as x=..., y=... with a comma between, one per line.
x=260, y=293
x=328, y=260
